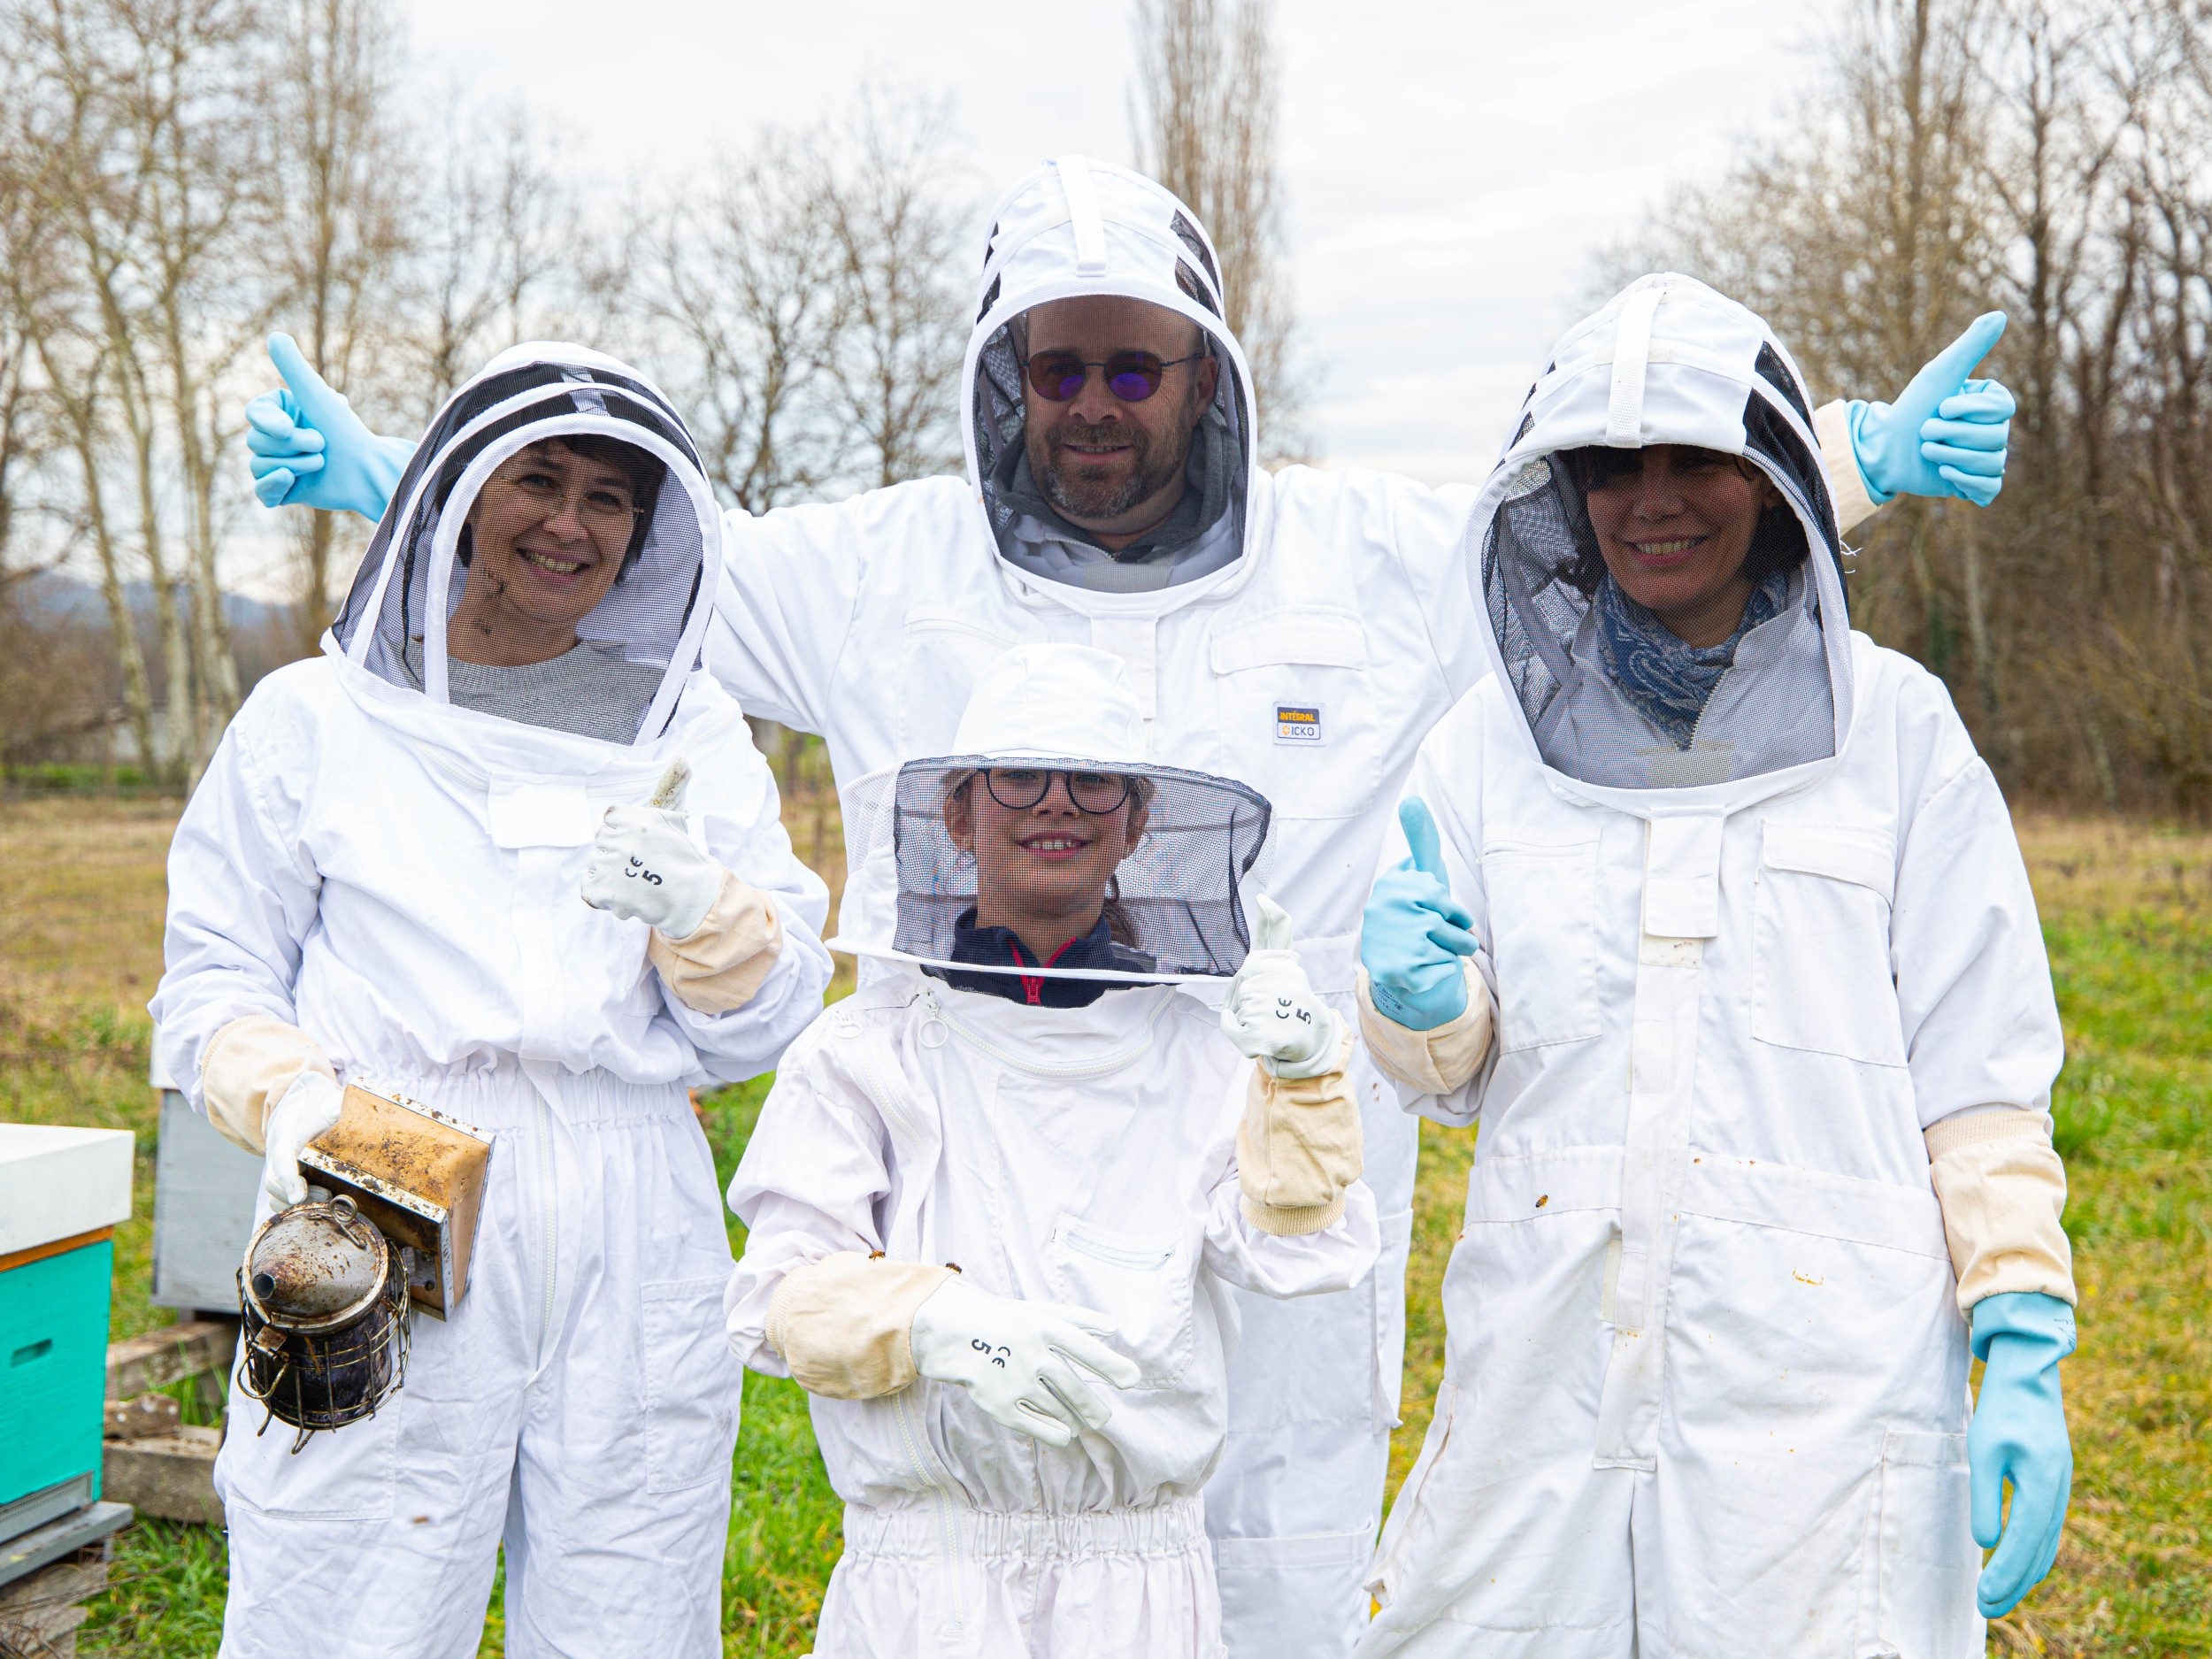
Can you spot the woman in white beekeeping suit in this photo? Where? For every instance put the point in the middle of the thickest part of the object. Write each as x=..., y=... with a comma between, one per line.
x=1714, y=920
x=423, y=860
x=998, y=1196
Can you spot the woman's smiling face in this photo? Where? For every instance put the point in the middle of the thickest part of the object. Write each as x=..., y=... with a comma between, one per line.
x=1674, y=524
x=1042, y=869
x=551, y=529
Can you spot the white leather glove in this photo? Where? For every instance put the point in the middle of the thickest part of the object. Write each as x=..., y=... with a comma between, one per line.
x=1273, y=1014
x=303, y=1111
x=644, y=867
x=1019, y=1360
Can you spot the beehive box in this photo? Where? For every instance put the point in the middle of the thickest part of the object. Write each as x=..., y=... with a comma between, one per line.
x=61, y=1192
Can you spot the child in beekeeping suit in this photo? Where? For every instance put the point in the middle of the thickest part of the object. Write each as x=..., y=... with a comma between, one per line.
x=995, y=1197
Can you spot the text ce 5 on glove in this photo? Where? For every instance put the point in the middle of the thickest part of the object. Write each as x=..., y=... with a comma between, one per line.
x=1029, y=1365
x=1273, y=1013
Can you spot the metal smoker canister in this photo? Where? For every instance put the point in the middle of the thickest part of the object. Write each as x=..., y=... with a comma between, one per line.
x=326, y=1317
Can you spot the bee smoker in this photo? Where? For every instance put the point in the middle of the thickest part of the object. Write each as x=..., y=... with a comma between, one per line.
x=324, y=1302
x=329, y=1287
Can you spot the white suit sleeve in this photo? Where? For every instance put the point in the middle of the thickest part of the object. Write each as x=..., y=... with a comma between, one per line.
x=790, y=586
x=243, y=894
x=1337, y=1257
x=1981, y=1026
x=734, y=801
x=809, y=1187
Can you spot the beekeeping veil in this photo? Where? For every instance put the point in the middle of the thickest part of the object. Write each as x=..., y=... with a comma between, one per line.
x=1076, y=228
x=1668, y=361
x=643, y=637
x=1171, y=909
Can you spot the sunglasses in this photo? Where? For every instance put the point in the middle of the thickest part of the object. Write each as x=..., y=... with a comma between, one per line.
x=1017, y=788
x=1131, y=376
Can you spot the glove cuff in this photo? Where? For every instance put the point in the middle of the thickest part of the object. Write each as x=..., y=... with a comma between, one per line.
x=1291, y=1221
x=1858, y=412
x=246, y=1070
x=1847, y=483
x=2028, y=1314
x=844, y=1325
x=720, y=965
x=1440, y=1060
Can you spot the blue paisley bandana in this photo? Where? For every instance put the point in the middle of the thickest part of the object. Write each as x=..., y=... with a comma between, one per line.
x=1669, y=682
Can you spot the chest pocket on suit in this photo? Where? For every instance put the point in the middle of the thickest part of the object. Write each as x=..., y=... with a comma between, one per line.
x=945, y=650
x=1543, y=919
x=1298, y=716
x=1821, y=969
x=1140, y=1281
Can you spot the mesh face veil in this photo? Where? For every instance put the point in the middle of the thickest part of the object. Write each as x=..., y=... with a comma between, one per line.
x=1147, y=889
x=1075, y=228
x=1610, y=695
x=651, y=509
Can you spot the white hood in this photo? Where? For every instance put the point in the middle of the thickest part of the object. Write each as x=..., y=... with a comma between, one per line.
x=393, y=625
x=1667, y=361
x=1076, y=226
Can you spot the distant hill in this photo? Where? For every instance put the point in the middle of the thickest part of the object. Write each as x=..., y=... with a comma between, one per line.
x=70, y=598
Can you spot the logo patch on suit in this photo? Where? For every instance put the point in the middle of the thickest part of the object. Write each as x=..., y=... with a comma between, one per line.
x=1297, y=723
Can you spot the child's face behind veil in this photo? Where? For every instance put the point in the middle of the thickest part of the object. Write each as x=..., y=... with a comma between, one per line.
x=1042, y=868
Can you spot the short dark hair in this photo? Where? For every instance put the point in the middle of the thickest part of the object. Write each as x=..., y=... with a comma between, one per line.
x=645, y=472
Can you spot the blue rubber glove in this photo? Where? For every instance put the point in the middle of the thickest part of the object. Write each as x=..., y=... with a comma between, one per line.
x=309, y=448
x=2018, y=1434
x=1414, y=932
x=1946, y=435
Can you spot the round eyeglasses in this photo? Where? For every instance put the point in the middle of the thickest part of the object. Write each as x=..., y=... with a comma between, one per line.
x=1018, y=788
x=1131, y=376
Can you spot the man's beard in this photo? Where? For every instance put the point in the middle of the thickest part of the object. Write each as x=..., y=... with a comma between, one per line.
x=1152, y=470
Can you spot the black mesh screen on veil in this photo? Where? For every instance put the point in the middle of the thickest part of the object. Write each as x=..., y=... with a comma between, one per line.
x=1171, y=904
x=639, y=623
x=1541, y=570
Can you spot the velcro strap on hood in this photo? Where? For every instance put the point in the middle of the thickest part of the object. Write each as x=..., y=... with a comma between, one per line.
x=1632, y=357
x=1090, y=226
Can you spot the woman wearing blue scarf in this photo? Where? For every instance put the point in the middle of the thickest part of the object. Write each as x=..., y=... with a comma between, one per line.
x=1714, y=920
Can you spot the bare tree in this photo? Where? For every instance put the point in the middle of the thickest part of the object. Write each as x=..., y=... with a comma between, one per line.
x=1207, y=132
x=91, y=180
x=902, y=322
x=339, y=221
x=495, y=236
x=745, y=286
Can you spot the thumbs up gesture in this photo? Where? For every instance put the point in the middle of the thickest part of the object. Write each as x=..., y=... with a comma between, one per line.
x=1414, y=933
x=309, y=449
x=1946, y=434
x=1273, y=1013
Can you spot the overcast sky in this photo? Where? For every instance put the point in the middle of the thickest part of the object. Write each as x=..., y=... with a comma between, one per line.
x=1448, y=168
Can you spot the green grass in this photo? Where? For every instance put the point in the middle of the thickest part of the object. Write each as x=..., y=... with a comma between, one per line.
x=2128, y=916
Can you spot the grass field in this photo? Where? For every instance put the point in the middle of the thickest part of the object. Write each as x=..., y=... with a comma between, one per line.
x=2128, y=915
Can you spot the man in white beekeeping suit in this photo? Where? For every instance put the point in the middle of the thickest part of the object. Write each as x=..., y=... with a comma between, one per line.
x=1301, y=630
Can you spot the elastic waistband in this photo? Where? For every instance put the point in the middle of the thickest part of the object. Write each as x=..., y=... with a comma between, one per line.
x=509, y=1097
x=1171, y=1528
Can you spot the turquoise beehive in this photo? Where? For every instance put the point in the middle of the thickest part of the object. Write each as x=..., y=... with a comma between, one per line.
x=62, y=1192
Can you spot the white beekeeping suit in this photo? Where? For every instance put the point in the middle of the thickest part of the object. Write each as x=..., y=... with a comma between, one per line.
x=381, y=878
x=991, y=1134
x=1768, y=980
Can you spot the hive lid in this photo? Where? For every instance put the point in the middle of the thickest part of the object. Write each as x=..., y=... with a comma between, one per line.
x=57, y=1182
